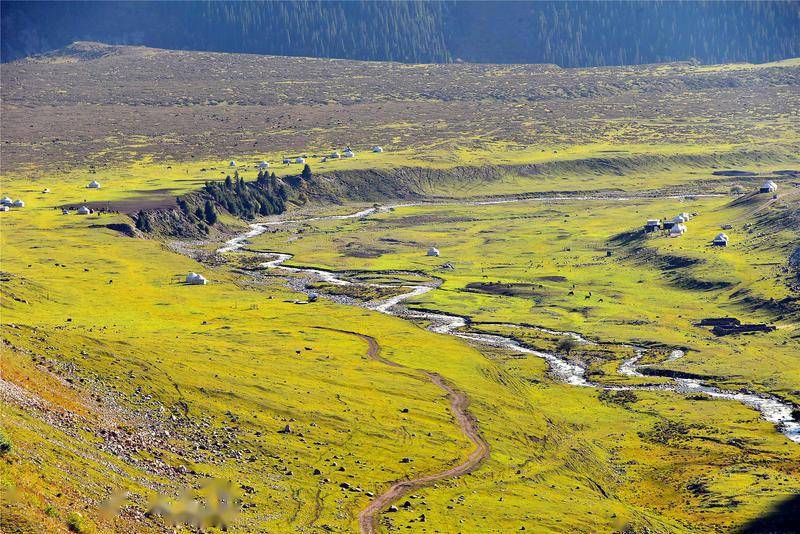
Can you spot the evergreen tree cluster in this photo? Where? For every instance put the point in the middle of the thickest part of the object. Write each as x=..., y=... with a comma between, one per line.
x=569, y=34
x=267, y=195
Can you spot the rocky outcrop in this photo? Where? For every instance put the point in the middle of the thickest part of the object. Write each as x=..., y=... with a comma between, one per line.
x=794, y=259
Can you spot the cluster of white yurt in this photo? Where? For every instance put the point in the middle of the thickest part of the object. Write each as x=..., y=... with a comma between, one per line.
x=194, y=279
x=677, y=226
x=682, y=218
x=7, y=203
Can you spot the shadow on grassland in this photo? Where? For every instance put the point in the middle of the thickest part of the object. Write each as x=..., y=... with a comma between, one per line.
x=784, y=519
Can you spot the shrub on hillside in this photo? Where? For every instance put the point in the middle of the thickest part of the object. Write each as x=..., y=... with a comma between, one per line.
x=76, y=523
x=5, y=445
x=618, y=397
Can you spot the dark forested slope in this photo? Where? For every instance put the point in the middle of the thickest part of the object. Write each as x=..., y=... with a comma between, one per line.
x=565, y=33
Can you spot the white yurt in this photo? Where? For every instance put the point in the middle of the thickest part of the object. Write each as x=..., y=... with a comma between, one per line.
x=349, y=153
x=194, y=279
x=83, y=210
x=232, y=164
x=768, y=187
x=679, y=219
x=677, y=230
x=6, y=201
x=263, y=165
x=721, y=240
x=433, y=251
x=300, y=160
x=377, y=149
x=652, y=225
x=335, y=155
x=18, y=204
x=94, y=184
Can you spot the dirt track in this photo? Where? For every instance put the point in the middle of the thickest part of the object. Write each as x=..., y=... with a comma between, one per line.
x=368, y=517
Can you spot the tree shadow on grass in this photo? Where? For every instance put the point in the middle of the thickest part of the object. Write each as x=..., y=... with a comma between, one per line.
x=783, y=519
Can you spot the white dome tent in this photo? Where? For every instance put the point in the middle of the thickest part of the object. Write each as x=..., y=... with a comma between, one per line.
x=721, y=240
x=263, y=165
x=83, y=210
x=768, y=187
x=349, y=153
x=335, y=155
x=6, y=201
x=300, y=159
x=194, y=279
x=94, y=184
x=18, y=204
x=652, y=225
x=232, y=164
x=433, y=251
x=678, y=230
x=377, y=149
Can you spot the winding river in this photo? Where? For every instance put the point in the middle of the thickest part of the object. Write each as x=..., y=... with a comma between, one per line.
x=771, y=408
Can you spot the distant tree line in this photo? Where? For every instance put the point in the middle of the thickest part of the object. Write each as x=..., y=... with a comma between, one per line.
x=565, y=33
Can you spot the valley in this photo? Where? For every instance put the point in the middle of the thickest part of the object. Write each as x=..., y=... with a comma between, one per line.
x=547, y=368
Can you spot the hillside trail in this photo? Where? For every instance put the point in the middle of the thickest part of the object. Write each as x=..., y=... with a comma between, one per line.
x=368, y=517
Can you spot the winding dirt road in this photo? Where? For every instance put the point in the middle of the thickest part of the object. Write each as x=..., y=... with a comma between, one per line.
x=368, y=517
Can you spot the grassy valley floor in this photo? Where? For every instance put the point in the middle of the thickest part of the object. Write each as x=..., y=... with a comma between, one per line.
x=118, y=377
